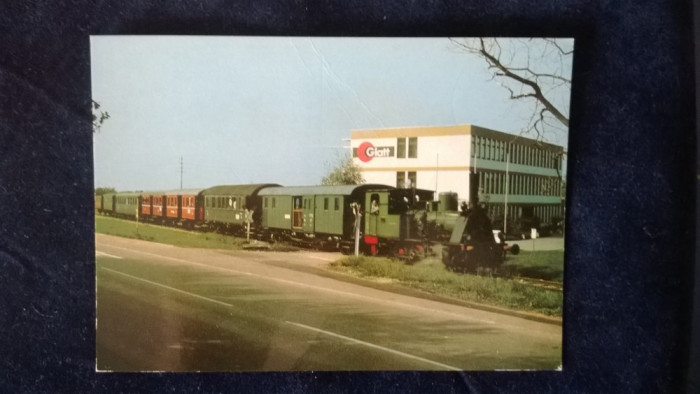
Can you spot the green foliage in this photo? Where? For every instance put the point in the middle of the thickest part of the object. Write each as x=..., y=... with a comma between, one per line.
x=434, y=278
x=98, y=116
x=171, y=236
x=345, y=172
x=545, y=264
x=104, y=190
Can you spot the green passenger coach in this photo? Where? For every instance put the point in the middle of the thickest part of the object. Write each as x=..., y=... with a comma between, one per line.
x=126, y=204
x=321, y=216
x=228, y=207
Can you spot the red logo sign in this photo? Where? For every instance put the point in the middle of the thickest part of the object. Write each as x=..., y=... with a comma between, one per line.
x=366, y=151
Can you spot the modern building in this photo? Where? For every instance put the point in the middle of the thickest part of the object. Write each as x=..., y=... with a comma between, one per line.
x=519, y=174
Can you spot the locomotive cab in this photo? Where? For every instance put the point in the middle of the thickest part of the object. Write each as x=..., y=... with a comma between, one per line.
x=395, y=222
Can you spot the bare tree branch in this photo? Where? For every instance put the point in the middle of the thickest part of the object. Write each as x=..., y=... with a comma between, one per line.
x=522, y=67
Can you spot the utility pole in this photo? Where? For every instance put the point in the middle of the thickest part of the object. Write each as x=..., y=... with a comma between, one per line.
x=181, y=172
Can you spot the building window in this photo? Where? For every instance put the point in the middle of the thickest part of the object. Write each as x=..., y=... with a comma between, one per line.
x=401, y=148
x=411, y=180
x=413, y=147
x=400, y=179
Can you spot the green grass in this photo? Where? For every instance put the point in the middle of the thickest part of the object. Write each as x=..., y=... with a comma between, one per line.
x=166, y=235
x=431, y=276
x=547, y=265
x=428, y=275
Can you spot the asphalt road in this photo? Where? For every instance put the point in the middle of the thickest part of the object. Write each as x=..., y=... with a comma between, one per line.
x=163, y=308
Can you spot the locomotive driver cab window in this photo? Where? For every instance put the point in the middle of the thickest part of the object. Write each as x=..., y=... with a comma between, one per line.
x=374, y=205
x=398, y=202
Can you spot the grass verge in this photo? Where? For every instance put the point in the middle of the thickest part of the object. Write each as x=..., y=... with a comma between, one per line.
x=434, y=278
x=546, y=264
x=165, y=235
x=429, y=275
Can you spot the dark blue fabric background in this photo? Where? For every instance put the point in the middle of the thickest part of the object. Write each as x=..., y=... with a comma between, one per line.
x=631, y=200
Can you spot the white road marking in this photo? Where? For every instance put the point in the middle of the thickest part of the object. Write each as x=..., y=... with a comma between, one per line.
x=368, y=344
x=386, y=349
x=325, y=289
x=150, y=282
x=98, y=253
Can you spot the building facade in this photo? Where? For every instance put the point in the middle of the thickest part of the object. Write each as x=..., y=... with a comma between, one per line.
x=515, y=173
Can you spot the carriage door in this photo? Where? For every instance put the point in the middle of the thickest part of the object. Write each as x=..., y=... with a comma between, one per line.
x=309, y=213
x=297, y=213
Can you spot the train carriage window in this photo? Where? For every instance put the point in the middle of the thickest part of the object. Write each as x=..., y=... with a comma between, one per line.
x=337, y=204
x=325, y=203
x=374, y=204
x=273, y=202
x=265, y=202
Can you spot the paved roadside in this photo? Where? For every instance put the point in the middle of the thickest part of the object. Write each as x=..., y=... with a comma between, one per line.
x=317, y=263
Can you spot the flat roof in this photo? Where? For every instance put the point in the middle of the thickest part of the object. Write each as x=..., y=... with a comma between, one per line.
x=236, y=189
x=438, y=131
x=343, y=190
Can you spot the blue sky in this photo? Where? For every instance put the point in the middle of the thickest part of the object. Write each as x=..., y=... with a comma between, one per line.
x=273, y=109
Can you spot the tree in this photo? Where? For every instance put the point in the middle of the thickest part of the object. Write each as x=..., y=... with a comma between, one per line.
x=537, y=70
x=98, y=116
x=104, y=190
x=345, y=172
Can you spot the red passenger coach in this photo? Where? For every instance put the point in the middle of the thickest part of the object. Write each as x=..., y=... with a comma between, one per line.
x=184, y=205
x=146, y=200
x=189, y=208
x=158, y=206
x=172, y=206
x=152, y=207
